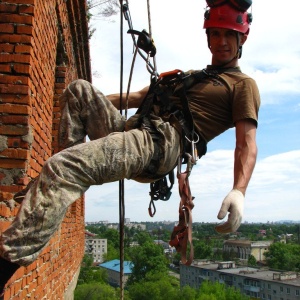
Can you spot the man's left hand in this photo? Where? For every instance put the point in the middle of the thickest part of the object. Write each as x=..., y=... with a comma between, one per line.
x=234, y=204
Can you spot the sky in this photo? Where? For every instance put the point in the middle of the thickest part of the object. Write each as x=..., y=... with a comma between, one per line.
x=271, y=55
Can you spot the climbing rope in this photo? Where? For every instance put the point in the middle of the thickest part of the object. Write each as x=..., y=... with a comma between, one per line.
x=145, y=43
x=121, y=182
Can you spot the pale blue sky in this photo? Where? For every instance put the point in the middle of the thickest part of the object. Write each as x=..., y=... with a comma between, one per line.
x=271, y=56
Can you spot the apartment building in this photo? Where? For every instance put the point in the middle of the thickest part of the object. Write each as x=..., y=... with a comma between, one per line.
x=257, y=283
x=95, y=247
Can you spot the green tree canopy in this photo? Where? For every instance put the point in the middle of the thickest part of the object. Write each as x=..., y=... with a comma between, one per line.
x=284, y=256
x=202, y=250
x=252, y=260
x=147, y=258
x=95, y=291
x=90, y=274
x=218, y=291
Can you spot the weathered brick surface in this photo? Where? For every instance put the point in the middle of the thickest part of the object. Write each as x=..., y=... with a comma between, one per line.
x=40, y=54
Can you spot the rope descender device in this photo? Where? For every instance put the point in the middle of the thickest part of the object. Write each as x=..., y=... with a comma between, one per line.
x=144, y=41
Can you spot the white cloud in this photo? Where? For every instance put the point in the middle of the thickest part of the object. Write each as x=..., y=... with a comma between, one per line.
x=273, y=193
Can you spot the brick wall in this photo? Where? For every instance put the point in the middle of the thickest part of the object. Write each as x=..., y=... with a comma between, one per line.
x=43, y=47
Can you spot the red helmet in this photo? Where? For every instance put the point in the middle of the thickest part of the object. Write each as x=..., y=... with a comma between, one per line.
x=226, y=16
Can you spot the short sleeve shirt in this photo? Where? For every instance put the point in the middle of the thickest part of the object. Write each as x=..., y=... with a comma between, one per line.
x=218, y=103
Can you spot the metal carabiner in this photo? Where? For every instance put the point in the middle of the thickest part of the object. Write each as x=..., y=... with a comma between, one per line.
x=194, y=148
x=189, y=164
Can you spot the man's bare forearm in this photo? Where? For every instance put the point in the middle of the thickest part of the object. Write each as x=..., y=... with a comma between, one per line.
x=134, y=98
x=245, y=156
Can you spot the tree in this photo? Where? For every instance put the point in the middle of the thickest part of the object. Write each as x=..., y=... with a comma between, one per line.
x=95, y=291
x=90, y=274
x=147, y=258
x=217, y=291
x=103, y=8
x=158, y=286
x=284, y=256
x=143, y=237
x=202, y=250
x=252, y=260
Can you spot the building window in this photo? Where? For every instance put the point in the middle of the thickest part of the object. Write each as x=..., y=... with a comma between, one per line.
x=281, y=289
x=288, y=291
x=297, y=293
x=269, y=286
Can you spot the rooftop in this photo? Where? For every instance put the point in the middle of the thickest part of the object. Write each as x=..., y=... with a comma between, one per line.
x=114, y=265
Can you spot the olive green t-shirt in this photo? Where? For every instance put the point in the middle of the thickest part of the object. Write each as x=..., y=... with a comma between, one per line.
x=218, y=103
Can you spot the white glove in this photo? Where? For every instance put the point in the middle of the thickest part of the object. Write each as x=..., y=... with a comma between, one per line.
x=234, y=204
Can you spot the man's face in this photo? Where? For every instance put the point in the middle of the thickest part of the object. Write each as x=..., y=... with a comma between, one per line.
x=224, y=46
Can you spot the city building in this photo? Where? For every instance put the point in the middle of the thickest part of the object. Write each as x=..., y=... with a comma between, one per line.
x=257, y=283
x=113, y=271
x=95, y=247
x=242, y=249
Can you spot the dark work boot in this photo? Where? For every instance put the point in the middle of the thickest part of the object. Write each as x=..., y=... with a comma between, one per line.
x=7, y=270
x=19, y=196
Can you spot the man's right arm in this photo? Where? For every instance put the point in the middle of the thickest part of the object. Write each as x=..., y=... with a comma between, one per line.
x=134, y=98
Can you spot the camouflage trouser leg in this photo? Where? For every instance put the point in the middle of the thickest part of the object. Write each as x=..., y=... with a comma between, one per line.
x=86, y=111
x=68, y=174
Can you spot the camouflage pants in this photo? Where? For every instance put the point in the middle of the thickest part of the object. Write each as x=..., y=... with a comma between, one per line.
x=111, y=155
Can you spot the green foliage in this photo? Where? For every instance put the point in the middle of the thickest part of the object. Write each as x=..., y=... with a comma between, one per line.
x=90, y=274
x=284, y=256
x=218, y=291
x=143, y=237
x=95, y=291
x=252, y=261
x=87, y=260
x=147, y=258
x=187, y=293
x=158, y=286
x=202, y=250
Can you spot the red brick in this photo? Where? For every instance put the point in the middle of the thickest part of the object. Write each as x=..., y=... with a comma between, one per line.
x=15, y=18
x=15, y=80
x=23, y=49
x=15, y=153
x=19, y=58
x=16, y=38
x=13, y=130
x=13, y=119
x=21, y=68
x=17, y=143
x=19, y=99
x=8, y=8
x=6, y=48
x=4, y=225
x=11, y=164
x=5, y=68
x=15, y=109
x=13, y=89
x=7, y=28
x=4, y=210
x=24, y=29
x=26, y=9
x=21, y=1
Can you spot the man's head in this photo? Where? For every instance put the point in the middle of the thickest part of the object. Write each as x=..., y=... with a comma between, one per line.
x=227, y=29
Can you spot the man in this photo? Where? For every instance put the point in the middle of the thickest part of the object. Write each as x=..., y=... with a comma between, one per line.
x=146, y=150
